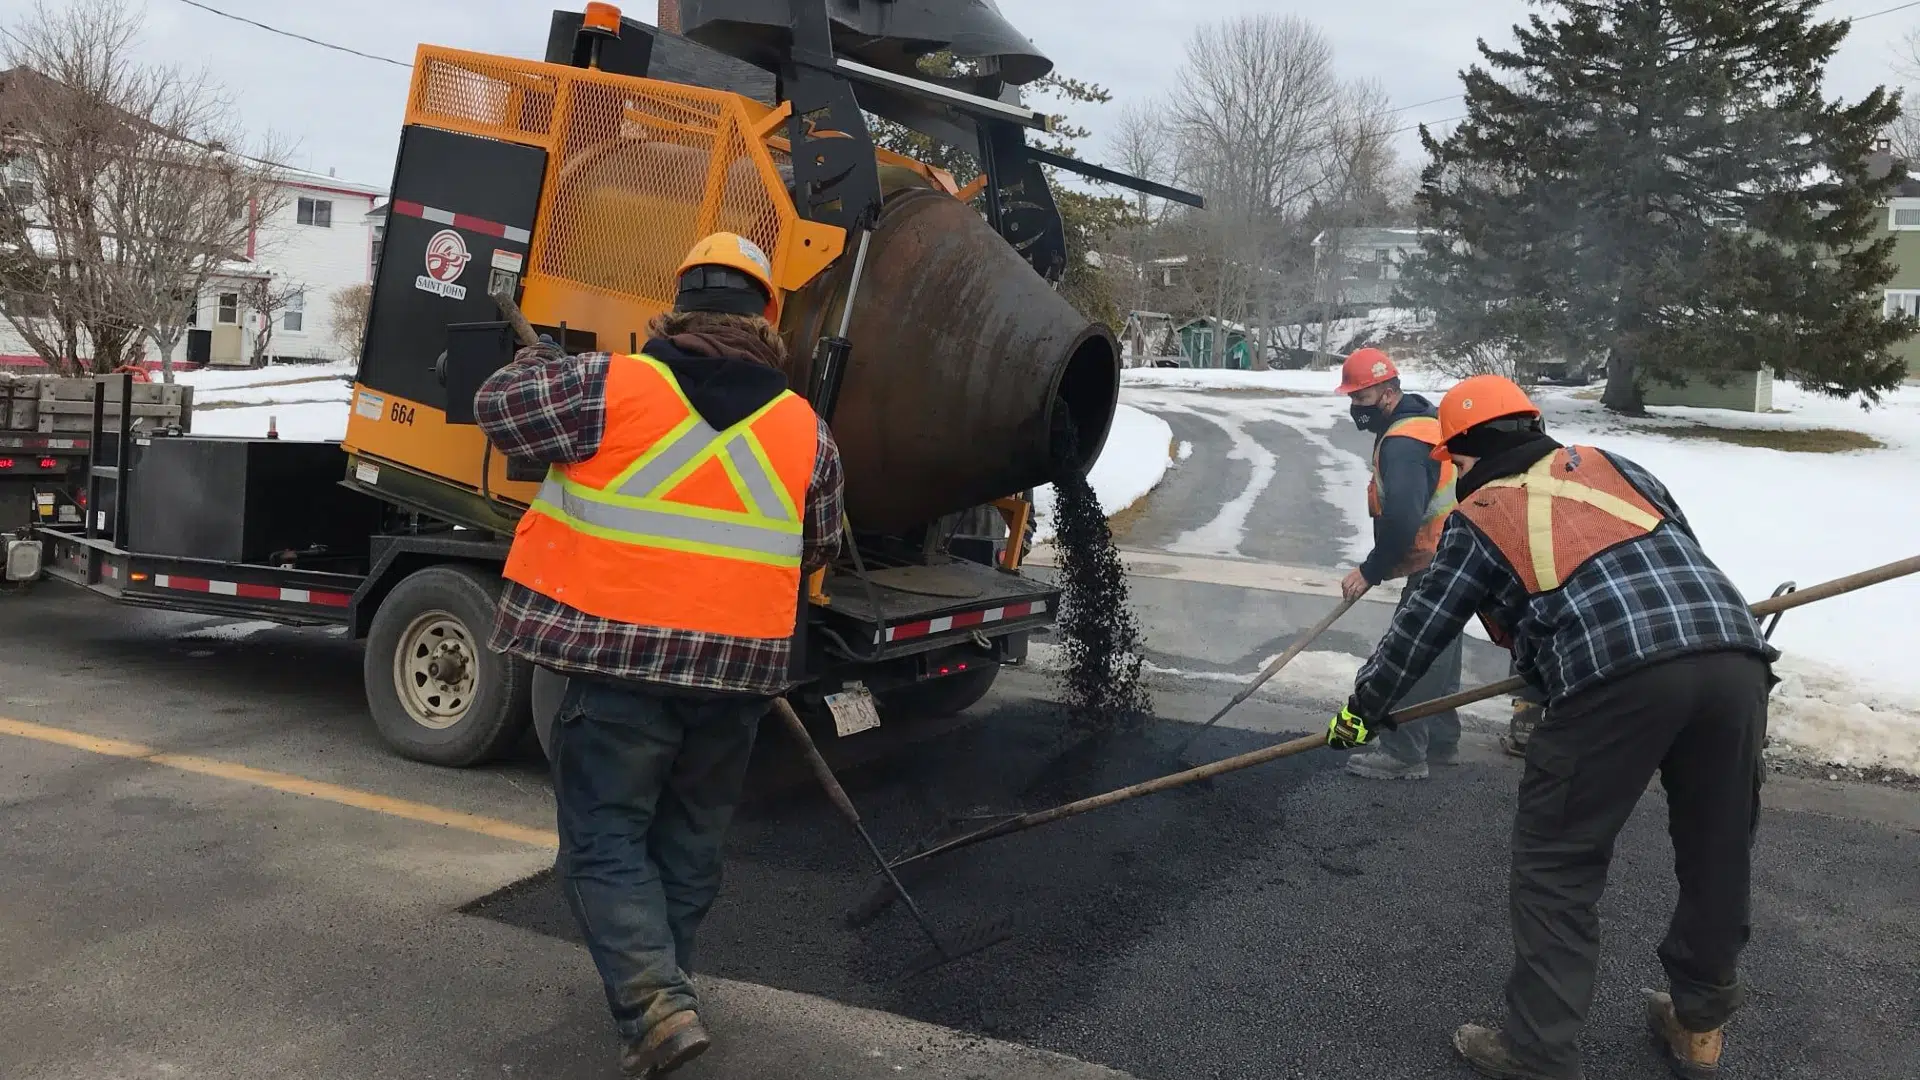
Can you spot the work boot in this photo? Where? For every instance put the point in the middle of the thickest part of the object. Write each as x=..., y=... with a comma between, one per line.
x=1487, y=1051
x=1380, y=765
x=1692, y=1055
x=666, y=1046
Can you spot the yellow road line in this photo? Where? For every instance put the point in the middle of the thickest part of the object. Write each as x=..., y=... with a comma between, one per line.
x=283, y=782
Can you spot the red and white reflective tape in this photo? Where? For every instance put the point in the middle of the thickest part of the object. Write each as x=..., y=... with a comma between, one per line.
x=963, y=620
x=19, y=443
x=462, y=221
x=252, y=592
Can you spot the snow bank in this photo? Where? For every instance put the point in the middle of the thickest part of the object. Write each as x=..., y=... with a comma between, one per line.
x=1826, y=714
x=1131, y=464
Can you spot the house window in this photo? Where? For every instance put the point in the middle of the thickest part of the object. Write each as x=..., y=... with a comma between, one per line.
x=295, y=314
x=315, y=212
x=19, y=179
x=229, y=309
x=1905, y=219
x=1903, y=302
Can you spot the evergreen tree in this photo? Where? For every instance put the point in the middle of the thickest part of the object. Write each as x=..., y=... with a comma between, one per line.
x=1663, y=184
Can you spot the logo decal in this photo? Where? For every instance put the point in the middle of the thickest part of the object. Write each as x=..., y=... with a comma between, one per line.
x=754, y=255
x=447, y=258
x=1379, y=371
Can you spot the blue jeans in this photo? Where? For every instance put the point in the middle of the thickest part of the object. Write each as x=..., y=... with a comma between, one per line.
x=646, y=787
x=1438, y=736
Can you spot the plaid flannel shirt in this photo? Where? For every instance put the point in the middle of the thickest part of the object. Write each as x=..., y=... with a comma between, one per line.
x=553, y=409
x=1646, y=600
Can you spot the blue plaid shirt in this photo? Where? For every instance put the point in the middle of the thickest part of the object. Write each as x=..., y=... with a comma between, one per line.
x=1649, y=599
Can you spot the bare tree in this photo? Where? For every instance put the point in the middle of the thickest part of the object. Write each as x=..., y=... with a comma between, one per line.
x=1904, y=134
x=141, y=190
x=1142, y=145
x=1251, y=109
x=266, y=298
x=1357, y=163
x=351, y=307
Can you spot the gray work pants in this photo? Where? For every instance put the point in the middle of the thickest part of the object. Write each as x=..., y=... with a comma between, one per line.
x=1700, y=722
x=1436, y=736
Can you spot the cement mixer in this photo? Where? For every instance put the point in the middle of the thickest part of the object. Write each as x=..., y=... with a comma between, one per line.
x=921, y=315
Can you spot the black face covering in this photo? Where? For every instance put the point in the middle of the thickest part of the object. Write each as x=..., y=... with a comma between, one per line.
x=1368, y=417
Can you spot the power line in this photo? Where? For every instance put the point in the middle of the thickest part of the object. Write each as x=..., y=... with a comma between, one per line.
x=291, y=34
x=1885, y=11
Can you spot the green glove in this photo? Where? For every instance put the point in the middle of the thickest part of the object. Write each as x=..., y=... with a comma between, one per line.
x=1347, y=730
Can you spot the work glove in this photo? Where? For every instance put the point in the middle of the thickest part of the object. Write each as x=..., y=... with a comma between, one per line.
x=1349, y=729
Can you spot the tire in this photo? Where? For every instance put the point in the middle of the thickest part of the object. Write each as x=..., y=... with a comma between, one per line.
x=548, y=688
x=441, y=616
x=939, y=698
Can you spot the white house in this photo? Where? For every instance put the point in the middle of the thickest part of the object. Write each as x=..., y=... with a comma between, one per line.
x=1370, y=262
x=321, y=242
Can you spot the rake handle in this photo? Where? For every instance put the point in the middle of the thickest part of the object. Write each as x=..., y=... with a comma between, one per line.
x=522, y=329
x=1770, y=606
x=824, y=773
x=821, y=770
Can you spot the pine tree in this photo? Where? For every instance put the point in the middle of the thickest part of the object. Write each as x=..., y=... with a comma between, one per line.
x=1662, y=183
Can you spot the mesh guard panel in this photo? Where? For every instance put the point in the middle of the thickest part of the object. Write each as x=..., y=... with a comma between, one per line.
x=640, y=169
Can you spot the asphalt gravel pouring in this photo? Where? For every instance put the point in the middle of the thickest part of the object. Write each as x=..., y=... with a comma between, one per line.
x=1097, y=628
x=1285, y=921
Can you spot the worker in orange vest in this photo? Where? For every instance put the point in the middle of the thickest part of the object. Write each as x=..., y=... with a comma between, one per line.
x=1409, y=497
x=687, y=495
x=1583, y=565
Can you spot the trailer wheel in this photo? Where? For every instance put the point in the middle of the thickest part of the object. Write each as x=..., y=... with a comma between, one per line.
x=436, y=693
x=943, y=697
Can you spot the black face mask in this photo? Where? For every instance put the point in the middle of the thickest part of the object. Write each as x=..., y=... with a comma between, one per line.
x=1368, y=417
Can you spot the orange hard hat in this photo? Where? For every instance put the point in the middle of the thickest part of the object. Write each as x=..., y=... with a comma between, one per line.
x=735, y=252
x=1364, y=368
x=1477, y=400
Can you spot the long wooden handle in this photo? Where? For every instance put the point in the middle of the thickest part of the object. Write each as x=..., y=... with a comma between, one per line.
x=1769, y=606
x=522, y=329
x=821, y=770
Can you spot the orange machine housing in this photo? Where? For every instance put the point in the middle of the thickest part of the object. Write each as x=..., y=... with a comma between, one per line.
x=635, y=171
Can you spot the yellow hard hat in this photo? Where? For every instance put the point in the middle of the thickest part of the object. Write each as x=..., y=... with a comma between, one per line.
x=728, y=252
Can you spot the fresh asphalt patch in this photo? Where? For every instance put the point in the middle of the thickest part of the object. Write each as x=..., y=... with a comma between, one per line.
x=1285, y=921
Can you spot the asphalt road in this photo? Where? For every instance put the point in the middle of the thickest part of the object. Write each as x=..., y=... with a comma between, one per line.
x=203, y=904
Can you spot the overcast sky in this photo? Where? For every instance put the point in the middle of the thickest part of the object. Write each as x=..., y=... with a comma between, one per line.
x=344, y=112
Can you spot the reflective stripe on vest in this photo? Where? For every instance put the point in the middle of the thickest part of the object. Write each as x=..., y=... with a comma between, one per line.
x=1549, y=521
x=1426, y=430
x=635, y=510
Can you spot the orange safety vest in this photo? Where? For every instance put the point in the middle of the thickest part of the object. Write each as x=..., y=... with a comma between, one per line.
x=671, y=523
x=1570, y=507
x=1426, y=542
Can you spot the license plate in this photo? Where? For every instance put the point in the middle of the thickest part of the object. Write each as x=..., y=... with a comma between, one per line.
x=853, y=710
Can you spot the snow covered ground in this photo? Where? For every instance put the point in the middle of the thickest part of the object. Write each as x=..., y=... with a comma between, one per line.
x=1851, y=689
x=1138, y=450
